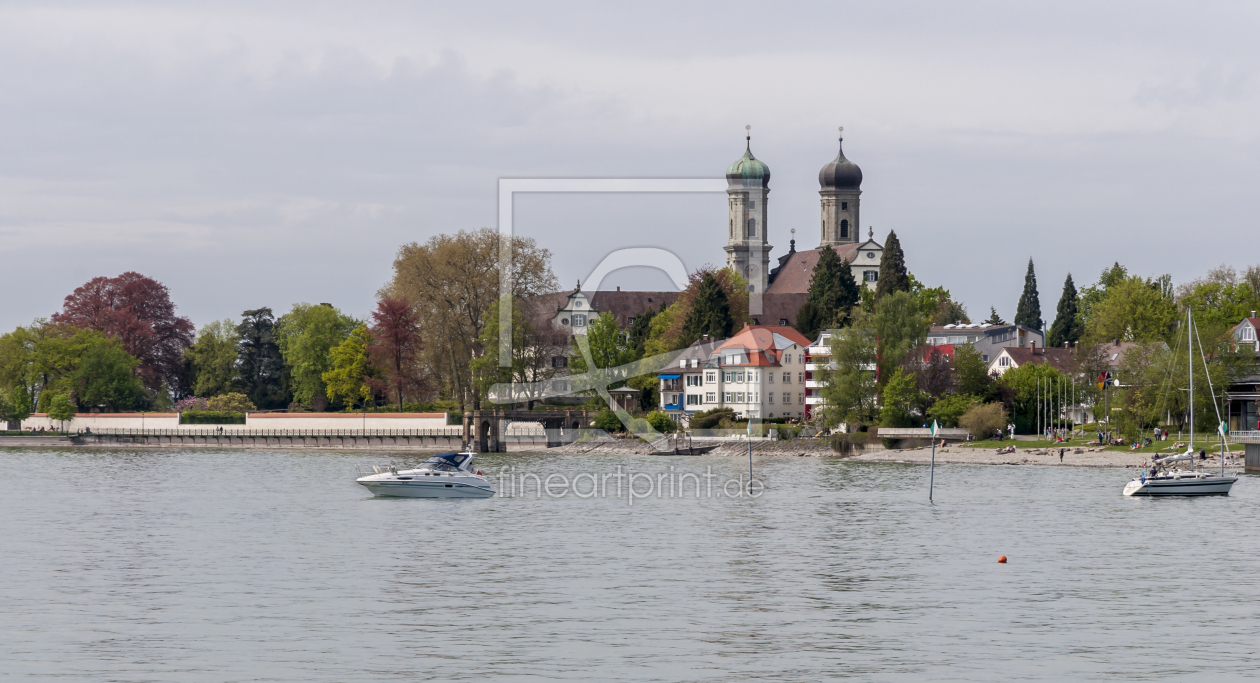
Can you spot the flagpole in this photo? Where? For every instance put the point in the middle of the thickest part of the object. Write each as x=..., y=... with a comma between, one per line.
x=750, y=455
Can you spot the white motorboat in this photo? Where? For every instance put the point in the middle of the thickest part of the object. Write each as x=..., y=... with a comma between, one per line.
x=1163, y=481
x=449, y=475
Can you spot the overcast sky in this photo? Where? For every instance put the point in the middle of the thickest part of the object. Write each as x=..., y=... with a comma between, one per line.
x=250, y=156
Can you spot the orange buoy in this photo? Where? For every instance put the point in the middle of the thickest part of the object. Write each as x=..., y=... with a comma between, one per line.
x=1002, y=560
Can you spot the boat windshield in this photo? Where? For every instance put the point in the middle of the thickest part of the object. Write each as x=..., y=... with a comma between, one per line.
x=447, y=462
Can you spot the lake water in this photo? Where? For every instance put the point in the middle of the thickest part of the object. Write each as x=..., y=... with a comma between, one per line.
x=274, y=566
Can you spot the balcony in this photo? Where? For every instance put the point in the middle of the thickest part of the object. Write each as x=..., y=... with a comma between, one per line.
x=814, y=384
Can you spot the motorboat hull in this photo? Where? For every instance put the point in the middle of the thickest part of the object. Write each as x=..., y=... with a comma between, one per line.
x=1184, y=486
x=428, y=489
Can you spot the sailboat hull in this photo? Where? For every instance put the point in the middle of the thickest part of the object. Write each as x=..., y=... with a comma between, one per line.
x=1180, y=486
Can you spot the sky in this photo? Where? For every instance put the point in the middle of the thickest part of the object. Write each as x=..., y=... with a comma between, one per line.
x=249, y=154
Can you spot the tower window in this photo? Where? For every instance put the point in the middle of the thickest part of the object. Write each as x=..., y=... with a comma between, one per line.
x=844, y=206
x=844, y=227
x=871, y=275
x=752, y=203
x=752, y=227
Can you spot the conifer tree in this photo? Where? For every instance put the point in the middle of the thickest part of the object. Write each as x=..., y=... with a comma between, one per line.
x=832, y=295
x=710, y=314
x=1028, y=313
x=994, y=318
x=1067, y=326
x=893, y=276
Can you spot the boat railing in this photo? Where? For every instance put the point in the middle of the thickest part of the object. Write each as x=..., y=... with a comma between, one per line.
x=368, y=470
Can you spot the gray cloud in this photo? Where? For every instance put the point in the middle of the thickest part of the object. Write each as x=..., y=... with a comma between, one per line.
x=253, y=157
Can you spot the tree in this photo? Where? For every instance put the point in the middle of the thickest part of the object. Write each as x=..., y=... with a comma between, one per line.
x=451, y=281
x=259, y=365
x=61, y=409
x=1023, y=384
x=1092, y=295
x=350, y=377
x=669, y=329
x=15, y=407
x=984, y=421
x=1067, y=324
x=971, y=373
x=900, y=396
x=608, y=346
x=833, y=292
x=105, y=374
x=994, y=318
x=950, y=409
x=305, y=336
x=213, y=358
x=1135, y=309
x=397, y=345
x=1028, y=313
x=535, y=344
x=900, y=328
x=641, y=330
x=136, y=310
x=893, y=276
x=710, y=314
x=849, y=389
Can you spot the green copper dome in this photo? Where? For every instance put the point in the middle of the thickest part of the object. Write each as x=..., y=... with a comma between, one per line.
x=748, y=171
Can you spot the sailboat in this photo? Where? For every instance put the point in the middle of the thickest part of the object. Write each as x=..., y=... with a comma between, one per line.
x=1164, y=481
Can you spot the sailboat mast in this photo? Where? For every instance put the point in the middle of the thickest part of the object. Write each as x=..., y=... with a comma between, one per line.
x=1190, y=367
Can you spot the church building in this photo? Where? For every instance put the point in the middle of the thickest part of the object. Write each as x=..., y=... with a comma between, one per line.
x=776, y=294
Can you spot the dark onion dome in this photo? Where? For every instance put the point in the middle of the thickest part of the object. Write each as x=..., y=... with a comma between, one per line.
x=840, y=174
x=748, y=171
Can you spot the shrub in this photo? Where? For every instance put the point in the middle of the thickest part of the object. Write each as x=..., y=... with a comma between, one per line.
x=661, y=422
x=211, y=417
x=984, y=420
x=708, y=419
x=233, y=402
x=190, y=403
x=950, y=408
x=608, y=421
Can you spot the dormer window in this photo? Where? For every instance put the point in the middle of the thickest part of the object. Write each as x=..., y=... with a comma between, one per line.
x=1248, y=333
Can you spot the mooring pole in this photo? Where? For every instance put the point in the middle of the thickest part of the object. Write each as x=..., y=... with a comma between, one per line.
x=932, y=467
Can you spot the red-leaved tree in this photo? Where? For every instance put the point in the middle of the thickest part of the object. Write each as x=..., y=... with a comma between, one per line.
x=396, y=344
x=138, y=311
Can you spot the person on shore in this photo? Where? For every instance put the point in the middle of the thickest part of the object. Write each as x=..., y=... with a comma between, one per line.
x=1061, y=455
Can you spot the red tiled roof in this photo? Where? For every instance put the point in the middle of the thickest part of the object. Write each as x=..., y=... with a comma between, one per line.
x=1059, y=359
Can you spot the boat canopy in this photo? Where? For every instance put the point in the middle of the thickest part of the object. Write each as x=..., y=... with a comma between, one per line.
x=450, y=462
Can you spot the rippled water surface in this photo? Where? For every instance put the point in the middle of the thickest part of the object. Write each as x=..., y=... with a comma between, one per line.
x=244, y=566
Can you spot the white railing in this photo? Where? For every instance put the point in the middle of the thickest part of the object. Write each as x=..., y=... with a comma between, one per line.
x=234, y=431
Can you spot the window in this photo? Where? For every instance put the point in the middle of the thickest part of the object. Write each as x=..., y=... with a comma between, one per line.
x=739, y=377
x=800, y=378
x=755, y=397
x=560, y=385
x=752, y=227
x=844, y=228
x=710, y=397
x=693, y=399
x=787, y=358
x=800, y=398
x=579, y=320
x=771, y=397
x=752, y=203
x=844, y=206
x=728, y=377
x=564, y=321
x=726, y=396
x=710, y=377
x=870, y=275
x=770, y=377
x=1004, y=362
x=783, y=322
x=560, y=362
x=984, y=357
x=787, y=398
x=693, y=380
x=739, y=397
x=787, y=378
x=1248, y=333
x=958, y=340
x=630, y=321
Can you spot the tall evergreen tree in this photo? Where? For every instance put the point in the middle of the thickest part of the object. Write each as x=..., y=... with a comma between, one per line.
x=1067, y=325
x=260, y=367
x=994, y=318
x=642, y=329
x=1028, y=313
x=832, y=295
x=710, y=313
x=893, y=276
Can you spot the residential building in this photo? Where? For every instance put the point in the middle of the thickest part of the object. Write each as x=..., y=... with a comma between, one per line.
x=574, y=310
x=759, y=372
x=986, y=339
x=1011, y=357
x=1245, y=335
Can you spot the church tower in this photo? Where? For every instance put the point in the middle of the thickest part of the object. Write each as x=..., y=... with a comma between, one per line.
x=841, y=183
x=747, y=243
